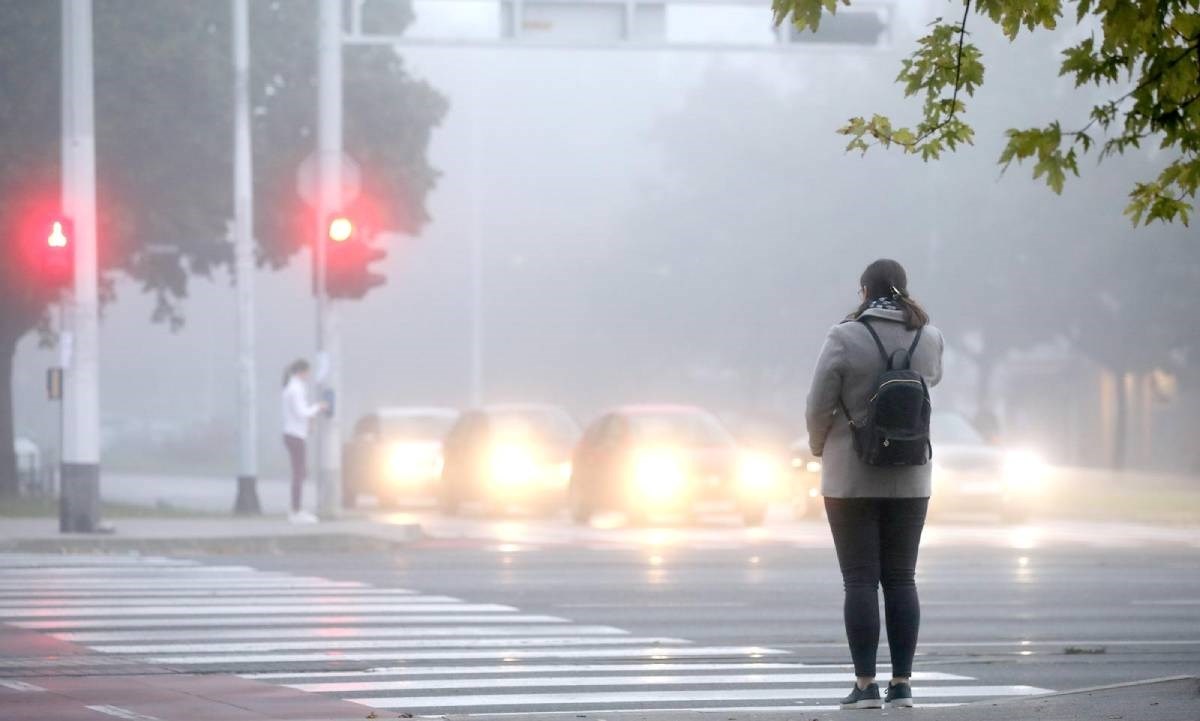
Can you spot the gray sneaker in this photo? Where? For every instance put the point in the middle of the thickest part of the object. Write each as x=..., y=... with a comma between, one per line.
x=863, y=697
x=899, y=696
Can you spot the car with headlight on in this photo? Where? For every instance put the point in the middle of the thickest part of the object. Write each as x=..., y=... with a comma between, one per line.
x=805, y=480
x=666, y=459
x=395, y=455
x=509, y=456
x=969, y=474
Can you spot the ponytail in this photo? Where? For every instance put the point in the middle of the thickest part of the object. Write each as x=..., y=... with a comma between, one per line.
x=914, y=315
x=887, y=279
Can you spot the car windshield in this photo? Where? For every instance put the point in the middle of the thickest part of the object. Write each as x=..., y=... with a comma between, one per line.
x=954, y=429
x=419, y=427
x=688, y=429
x=549, y=425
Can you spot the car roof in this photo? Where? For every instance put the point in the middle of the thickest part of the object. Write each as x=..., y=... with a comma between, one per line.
x=415, y=411
x=520, y=407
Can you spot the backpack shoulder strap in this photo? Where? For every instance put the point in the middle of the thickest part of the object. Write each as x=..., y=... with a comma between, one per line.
x=913, y=348
x=908, y=354
x=878, y=343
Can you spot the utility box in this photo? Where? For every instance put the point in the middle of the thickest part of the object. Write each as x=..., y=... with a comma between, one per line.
x=579, y=22
x=866, y=26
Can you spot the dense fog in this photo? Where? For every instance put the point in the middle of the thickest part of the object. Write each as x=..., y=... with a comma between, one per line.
x=685, y=226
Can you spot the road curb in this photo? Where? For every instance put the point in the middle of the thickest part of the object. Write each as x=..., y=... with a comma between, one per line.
x=308, y=541
x=1098, y=689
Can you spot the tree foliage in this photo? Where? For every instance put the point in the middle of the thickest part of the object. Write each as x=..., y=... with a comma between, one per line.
x=1145, y=53
x=164, y=129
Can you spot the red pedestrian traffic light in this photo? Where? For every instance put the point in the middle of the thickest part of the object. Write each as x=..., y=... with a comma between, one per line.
x=341, y=229
x=57, y=252
x=349, y=253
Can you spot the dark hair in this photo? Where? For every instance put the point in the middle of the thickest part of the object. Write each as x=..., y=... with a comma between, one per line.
x=886, y=278
x=297, y=366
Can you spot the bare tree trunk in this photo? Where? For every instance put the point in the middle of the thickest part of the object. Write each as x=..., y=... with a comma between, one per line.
x=1120, y=424
x=9, y=483
x=985, y=366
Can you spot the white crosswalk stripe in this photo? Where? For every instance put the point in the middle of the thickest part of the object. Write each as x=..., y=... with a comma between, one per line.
x=408, y=651
x=254, y=600
x=327, y=624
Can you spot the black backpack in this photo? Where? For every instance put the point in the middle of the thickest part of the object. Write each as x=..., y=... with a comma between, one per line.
x=896, y=430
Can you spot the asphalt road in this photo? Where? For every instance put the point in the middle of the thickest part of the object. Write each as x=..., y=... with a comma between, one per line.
x=525, y=615
x=1054, y=615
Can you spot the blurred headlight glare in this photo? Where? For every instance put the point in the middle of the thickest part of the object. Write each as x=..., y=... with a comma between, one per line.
x=408, y=461
x=564, y=473
x=659, y=475
x=1024, y=470
x=758, y=473
x=512, y=464
x=813, y=467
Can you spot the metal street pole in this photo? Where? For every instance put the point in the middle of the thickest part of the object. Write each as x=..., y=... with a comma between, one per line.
x=79, y=510
x=329, y=157
x=246, y=502
x=476, y=237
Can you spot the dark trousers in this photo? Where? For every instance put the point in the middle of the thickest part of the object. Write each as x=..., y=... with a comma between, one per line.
x=876, y=541
x=298, y=456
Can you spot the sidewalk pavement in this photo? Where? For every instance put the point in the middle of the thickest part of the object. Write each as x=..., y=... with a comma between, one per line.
x=207, y=494
x=260, y=534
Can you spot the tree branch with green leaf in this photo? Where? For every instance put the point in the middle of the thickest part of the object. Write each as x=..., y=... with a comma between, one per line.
x=1146, y=51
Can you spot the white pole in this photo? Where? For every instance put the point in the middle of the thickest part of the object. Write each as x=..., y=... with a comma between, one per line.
x=329, y=150
x=80, y=509
x=476, y=237
x=243, y=240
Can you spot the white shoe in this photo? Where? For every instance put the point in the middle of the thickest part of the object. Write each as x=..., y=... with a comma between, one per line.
x=302, y=517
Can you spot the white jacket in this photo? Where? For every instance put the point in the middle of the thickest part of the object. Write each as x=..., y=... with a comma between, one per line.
x=297, y=411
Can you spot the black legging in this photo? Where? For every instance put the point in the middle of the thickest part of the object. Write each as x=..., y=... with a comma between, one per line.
x=298, y=456
x=876, y=541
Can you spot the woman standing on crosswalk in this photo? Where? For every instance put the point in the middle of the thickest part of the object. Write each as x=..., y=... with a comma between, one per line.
x=876, y=482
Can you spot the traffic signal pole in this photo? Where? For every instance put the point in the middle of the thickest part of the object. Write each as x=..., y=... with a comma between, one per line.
x=247, y=502
x=80, y=487
x=329, y=153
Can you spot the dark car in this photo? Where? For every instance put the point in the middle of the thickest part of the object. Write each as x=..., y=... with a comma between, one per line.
x=509, y=456
x=647, y=460
x=395, y=455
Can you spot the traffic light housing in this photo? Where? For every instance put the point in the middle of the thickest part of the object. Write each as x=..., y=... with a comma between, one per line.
x=348, y=258
x=54, y=248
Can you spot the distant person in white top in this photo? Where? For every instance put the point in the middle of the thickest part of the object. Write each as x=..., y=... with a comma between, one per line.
x=298, y=412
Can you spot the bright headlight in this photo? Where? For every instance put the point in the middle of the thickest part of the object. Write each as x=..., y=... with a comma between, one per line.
x=512, y=464
x=813, y=467
x=1024, y=470
x=758, y=472
x=659, y=475
x=406, y=461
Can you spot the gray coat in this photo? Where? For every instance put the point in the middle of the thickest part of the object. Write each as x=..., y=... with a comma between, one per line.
x=847, y=369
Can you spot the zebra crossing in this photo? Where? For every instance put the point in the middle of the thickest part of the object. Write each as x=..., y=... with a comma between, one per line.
x=403, y=650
